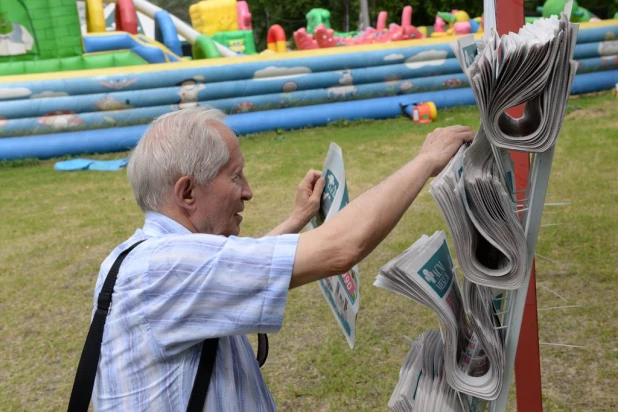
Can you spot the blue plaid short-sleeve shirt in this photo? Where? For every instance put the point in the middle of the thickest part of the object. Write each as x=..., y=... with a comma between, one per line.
x=174, y=291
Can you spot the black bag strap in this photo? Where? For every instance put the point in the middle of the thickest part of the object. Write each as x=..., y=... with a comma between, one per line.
x=207, y=362
x=202, y=377
x=89, y=361
x=262, y=352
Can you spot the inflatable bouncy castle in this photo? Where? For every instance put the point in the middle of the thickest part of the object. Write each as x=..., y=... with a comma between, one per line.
x=319, y=34
x=63, y=92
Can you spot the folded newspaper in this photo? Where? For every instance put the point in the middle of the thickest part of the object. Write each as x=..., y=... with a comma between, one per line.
x=342, y=292
x=422, y=382
x=480, y=214
x=473, y=343
x=534, y=66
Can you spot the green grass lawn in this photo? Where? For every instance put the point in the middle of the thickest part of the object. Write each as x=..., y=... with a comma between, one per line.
x=58, y=227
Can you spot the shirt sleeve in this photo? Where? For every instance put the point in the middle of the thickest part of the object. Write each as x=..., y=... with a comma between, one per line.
x=204, y=286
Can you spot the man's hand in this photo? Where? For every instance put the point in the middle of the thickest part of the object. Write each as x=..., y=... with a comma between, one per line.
x=306, y=206
x=308, y=194
x=442, y=144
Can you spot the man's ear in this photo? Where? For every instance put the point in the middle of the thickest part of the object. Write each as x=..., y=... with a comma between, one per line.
x=184, y=192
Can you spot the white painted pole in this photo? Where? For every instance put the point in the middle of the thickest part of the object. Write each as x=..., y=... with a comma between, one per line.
x=489, y=17
x=364, y=15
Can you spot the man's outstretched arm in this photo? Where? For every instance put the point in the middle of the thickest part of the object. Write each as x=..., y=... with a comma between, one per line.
x=358, y=228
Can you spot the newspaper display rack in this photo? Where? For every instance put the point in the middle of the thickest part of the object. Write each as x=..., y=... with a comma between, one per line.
x=479, y=201
x=532, y=203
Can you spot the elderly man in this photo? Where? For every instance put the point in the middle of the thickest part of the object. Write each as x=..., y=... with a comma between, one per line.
x=193, y=279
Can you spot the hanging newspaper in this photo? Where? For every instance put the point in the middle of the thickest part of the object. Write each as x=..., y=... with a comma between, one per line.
x=342, y=292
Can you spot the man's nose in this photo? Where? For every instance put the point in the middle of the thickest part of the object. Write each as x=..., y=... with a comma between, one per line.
x=246, y=193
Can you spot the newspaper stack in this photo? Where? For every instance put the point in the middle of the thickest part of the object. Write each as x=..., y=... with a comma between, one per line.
x=476, y=195
x=425, y=273
x=535, y=67
x=486, y=346
x=422, y=382
x=480, y=214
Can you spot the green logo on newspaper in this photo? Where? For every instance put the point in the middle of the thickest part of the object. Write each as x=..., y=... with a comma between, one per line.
x=330, y=190
x=438, y=271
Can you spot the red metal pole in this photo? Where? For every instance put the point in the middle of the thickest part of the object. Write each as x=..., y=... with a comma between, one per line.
x=510, y=17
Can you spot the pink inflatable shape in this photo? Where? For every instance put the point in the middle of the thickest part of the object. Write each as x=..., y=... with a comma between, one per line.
x=381, y=26
x=406, y=16
x=412, y=32
x=304, y=40
x=244, y=16
x=462, y=27
x=326, y=37
x=439, y=25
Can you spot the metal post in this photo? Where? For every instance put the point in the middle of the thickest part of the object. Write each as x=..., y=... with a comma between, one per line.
x=523, y=334
x=364, y=15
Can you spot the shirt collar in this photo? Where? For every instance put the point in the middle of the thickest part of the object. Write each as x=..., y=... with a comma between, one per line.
x=157, y=224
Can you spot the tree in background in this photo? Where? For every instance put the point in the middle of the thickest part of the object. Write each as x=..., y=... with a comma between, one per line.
x=179, y=8
x=345, y=14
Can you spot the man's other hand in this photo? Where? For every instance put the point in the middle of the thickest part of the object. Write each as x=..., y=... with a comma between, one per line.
x=308, y=194
x=442, y=144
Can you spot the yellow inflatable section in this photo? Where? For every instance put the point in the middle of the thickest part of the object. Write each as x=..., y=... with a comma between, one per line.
x=213, y=16
x=95, y=18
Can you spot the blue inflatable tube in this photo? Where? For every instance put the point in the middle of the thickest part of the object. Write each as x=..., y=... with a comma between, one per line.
x=124, y=138
x=165, y=32
x=597, y=34
x=138, y=44
x=15, y=109
x=235, y=69
x=590, y=50
x=593, y=82
x=107, y=119
x=437, y=58
x=319, y=115
x=73, y=143
x=299, y=88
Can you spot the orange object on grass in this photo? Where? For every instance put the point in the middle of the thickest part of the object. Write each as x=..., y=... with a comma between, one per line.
x=425, y=112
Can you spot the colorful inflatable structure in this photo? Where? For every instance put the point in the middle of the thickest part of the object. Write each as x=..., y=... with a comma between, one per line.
x=107, y=108
x=276, y=40
x=42, y=36
x=46, y=37
x=319, y=34
x=555, y=7
x=226, y=21
x=459, y=23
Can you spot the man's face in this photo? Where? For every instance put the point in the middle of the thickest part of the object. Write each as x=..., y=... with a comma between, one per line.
x=218, y=204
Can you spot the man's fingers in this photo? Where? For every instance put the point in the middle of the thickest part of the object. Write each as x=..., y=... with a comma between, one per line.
x=466, y=133
x=459, y=128
x=446, y=134
x=315, y=175
x=318, y=189
x=469, y=136
x=311, y=176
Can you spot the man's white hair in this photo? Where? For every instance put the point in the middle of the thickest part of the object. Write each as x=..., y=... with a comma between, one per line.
x=181, y=143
